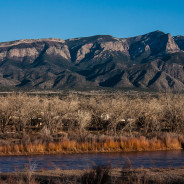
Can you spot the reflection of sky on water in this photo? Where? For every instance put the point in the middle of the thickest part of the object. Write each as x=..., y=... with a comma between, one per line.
x=81, y=161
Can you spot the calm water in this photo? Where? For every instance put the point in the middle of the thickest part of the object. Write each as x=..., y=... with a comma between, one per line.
x=81, y=161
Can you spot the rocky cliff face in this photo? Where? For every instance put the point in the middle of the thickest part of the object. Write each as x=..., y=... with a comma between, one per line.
x=154, y=60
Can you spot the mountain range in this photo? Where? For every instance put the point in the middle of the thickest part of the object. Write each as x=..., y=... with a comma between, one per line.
x=152, y=61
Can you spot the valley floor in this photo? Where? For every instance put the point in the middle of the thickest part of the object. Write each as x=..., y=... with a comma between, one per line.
x=90, y=122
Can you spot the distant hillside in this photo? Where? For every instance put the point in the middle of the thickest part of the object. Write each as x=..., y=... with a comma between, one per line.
x=151, y=61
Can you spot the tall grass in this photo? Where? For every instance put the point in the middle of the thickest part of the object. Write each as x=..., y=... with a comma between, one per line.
x=103, y=145
x=98, y=123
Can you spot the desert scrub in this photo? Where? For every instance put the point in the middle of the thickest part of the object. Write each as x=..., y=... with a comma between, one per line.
x=75, y=123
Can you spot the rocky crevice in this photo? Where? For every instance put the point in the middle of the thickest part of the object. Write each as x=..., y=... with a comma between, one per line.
x=154, y=60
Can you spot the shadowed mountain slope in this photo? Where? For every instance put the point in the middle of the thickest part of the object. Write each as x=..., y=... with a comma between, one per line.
x=154, y=61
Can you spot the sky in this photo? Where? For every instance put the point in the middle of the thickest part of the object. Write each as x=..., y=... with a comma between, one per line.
x=33, y=19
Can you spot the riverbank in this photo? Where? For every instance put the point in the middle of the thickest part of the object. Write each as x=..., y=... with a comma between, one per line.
x=129, y=175
x=83, y=123
x=103, y=144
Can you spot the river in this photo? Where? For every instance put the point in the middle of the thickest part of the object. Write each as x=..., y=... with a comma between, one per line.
x=82, y=161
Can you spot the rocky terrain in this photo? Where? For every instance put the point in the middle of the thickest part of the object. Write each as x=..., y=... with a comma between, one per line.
x=152, y=61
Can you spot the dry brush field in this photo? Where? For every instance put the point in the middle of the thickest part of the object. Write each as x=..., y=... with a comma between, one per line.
x=34, y=124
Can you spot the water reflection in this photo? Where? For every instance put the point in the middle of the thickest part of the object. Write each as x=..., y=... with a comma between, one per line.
x=81, y=161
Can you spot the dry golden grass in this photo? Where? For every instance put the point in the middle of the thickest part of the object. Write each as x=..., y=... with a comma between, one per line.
x=76, y=123
x=108, y=144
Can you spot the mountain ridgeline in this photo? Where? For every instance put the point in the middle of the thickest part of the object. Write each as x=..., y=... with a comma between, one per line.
x=152, y=61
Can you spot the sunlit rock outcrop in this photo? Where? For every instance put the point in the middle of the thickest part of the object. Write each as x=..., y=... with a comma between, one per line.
x=151, y=61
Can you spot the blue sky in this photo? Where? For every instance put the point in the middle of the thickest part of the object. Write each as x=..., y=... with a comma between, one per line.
x=25, y=19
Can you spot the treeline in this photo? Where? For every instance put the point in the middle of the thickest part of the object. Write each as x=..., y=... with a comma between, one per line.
x=86, y=119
